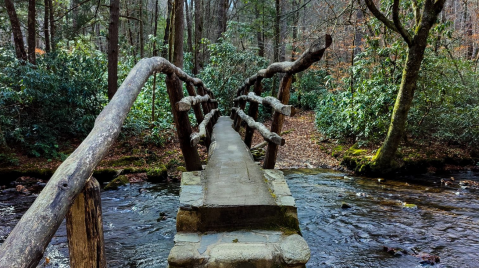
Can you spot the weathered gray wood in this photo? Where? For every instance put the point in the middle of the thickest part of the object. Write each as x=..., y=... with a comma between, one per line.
x=185, y=103
x=85, y=228
x=277, y=124
x=262, y=129
x=242, y=105
x=196, y=137
x=204, y=105
x=26, y=243
x=253, y=112
x=271, y=101
x=196, y=108
x=310, y=56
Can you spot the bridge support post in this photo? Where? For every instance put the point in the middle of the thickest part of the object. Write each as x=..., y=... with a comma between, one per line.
x=253, y=112
x=182, y=122
x=277, y=124
x=85, y=228
x=242, y=105
x=196, y=108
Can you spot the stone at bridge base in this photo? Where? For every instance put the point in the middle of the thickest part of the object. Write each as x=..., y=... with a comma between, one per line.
x=245, y=248
x=276, y=244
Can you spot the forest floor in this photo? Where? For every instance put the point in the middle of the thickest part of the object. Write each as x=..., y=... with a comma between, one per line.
x=305, y=147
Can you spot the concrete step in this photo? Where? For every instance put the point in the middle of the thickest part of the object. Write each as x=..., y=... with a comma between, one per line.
x=196, y=216
x=244, y=248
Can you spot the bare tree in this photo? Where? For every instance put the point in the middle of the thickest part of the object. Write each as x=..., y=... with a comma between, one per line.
x=16, y=30
x=31, y=31
x=113, y=48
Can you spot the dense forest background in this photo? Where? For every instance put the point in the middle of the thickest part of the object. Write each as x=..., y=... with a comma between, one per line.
x=61, y=61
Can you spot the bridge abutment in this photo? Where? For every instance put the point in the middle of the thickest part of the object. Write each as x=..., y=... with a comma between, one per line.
x=234, y=214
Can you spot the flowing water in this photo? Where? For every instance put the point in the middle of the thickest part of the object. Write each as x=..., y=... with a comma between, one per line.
x=417, y=214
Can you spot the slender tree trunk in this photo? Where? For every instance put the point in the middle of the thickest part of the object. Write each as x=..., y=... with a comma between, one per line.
x=198, y=35
x=283, y=31
x=31, y=31
x=142, y=45
x=73, y=5
x=189, y=41
x=166, y=38
x=52, y=26
x=155, y=31
x=16, y=30
x=276, y=42
x=259, y=32
x=113, y=48
x=294, y=50
x=179, y=32
x=221, y=18
x=46, y=32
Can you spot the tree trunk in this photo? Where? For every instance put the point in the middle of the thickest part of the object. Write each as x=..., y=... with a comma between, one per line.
x=259, y=32
x=221, y=18
x=46, y=31
x=85, y=228
x=16, y=30
x=189, y=40
x=294, y=50
x=198, y=35
x=283, y=31
x=73, y=5
x=52, y=26
x=142, y=44
x=31, y=31
x=155, y=31
x=113, y=48
x=179, y=31
x=166, y=37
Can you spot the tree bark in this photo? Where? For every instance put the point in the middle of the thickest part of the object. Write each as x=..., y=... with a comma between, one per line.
x=142, y=42
x=31, y=31
x=52, y=26
x=189, y=40
x=259, y=32
x=179, y=32
x=221, y=18
x=270, y=136
x=155, y=31
x=113, y=48
x=85, y=228
x=16, y=30
x=46, y=31
x=196, y=137
x=198, y=35
x=166, y=37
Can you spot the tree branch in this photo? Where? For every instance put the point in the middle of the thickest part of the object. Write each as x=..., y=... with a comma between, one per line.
x=400, y=29
x=372, y=7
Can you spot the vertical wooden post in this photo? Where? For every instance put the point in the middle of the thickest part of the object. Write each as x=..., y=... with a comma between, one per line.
x=236, y=104
x=85, y=228
x=182, y=122
x=277, y=124
x=253, y=112
x=242, y=105
x=204, y=105
x=196, y=108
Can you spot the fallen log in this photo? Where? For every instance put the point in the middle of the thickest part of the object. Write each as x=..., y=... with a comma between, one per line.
x=273, y=102
x=196, y=137
x=262, y=129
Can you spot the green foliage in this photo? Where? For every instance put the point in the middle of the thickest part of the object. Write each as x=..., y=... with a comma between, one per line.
x=308, y=88
x=57, y=98
x=227, y=69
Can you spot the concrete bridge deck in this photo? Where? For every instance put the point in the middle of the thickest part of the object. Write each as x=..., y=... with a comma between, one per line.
x=234, y=214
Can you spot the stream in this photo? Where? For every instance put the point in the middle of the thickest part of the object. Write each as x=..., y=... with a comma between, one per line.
x=346, y=220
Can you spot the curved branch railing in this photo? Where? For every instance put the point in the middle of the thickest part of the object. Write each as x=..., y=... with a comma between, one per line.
x=25, y=245
x=279, y=104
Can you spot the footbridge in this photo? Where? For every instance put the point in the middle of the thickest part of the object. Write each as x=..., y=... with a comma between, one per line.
x=233, y=212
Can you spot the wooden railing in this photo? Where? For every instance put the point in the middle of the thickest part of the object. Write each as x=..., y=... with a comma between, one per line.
x=72, y=192
x=279, y=104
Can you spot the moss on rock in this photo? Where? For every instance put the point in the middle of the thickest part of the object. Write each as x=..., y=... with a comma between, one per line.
x=158, y=174
x=117, y=182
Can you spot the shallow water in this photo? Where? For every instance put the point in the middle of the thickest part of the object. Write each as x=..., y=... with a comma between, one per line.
x=134, y=235
x=445, y=222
